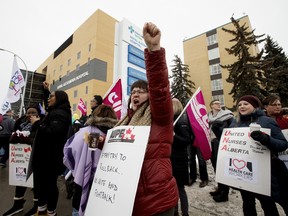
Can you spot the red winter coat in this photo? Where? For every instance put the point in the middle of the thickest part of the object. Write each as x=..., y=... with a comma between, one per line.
x=157, y=190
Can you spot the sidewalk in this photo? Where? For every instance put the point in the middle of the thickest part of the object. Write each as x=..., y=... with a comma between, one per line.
x=7, y=193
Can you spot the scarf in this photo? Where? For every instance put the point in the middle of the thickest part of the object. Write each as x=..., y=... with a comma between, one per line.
x=141, y=117
x=222, y=115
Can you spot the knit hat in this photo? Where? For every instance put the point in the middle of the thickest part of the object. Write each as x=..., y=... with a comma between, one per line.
x=254, y=101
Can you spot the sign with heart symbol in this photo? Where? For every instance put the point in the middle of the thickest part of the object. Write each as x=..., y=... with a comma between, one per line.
x=21, y=170
x=239, y=164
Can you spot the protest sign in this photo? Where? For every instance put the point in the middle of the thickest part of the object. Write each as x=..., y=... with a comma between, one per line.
x=242, y=162
x=18, y=165
x=284, y=155
x=117, y=175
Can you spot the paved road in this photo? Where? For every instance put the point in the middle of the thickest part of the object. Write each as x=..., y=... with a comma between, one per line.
x=7, y=193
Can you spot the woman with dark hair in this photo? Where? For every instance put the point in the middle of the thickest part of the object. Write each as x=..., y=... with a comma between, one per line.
x=24, y=124
x=47, y=152
x=151, y=105
x=81, y=160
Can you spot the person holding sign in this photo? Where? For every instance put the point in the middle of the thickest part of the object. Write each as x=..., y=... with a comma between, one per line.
x=249, y=112
x=29, y=122
x=81, y=156
x=151, y=105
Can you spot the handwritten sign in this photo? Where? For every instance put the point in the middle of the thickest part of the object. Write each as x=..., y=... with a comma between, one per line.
x=117, y=175
x=284, y=155
x=242, y=162
x=18, y=165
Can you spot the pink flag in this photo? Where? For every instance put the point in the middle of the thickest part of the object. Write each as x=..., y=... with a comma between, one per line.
x=197, y=113
x=82, y=107
x=114, y=98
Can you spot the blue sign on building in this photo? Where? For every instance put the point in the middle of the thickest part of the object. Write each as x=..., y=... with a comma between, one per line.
x=135, y=51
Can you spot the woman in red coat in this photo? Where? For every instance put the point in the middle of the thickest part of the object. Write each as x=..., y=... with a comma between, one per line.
x=157, y=192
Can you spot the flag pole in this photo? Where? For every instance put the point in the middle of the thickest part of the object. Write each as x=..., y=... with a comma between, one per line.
x=26, y=77
x=186, y=106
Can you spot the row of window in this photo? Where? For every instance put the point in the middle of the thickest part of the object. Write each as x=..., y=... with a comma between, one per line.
x=75, y=95
x=216, y=84
x=78, y=56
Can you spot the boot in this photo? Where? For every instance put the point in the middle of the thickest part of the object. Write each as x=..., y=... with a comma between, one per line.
x=223, y=197
x=216, y=192
x=33, y=210
x=16, y=208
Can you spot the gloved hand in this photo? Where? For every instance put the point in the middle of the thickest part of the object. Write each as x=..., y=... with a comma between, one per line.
x=260, y=137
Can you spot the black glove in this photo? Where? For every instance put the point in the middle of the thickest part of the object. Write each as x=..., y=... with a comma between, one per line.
x=260, y=137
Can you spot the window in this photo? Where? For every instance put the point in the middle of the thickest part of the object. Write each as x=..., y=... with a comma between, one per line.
x=60, y=78
x=74, y=107
x=89, y=47
x=78, y=55
x=69, y=62
x=216, y=85
x=86, y=90
x=215, y=69
x=213, y=53
x=75, y=93
x=212, y=39
x=77, y=67
x=88, y=62
x=68, y=72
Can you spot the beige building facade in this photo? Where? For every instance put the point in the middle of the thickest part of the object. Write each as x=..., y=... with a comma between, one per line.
x=83, y=65
x=204, y=54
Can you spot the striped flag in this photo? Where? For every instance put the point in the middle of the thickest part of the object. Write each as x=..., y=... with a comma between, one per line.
x=114, y=97
x=82, y=107
x=198, y=118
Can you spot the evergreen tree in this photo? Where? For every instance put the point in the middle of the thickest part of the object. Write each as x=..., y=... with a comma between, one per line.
x=246, y=74
x=277, y=74
x=181, y=84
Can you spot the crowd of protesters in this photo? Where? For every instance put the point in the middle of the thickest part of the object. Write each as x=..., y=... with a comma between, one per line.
x=170, y=158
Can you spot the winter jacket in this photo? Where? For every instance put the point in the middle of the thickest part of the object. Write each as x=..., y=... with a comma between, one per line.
x=277, y=140
x=183, y=137
x=47, y=149
x=8, y=126
x=157, y=189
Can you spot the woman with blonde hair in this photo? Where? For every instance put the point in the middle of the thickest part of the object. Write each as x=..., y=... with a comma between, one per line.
x=179, y=155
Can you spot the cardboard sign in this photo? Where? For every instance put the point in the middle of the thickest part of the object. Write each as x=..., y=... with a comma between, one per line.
x=242, y=162
x=284, y=155
x=117, y=175
x=18, y=165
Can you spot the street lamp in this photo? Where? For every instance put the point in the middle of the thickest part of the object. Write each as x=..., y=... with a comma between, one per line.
x=26, y=79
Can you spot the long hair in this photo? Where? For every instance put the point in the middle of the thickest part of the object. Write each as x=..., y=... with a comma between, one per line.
x=62, y=99
x=104, y=111
x=177, y=107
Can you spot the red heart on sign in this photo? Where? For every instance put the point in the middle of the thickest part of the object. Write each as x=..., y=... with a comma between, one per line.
x=239, y=164
x=21, y=170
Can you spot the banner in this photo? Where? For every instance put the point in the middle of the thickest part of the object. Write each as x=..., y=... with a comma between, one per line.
x=82, y=107
x=197, y=114
x=5, y=106
x=242, y=162
x=19, y=156
x=16, y=83
x=117, y=175
x=114, y=97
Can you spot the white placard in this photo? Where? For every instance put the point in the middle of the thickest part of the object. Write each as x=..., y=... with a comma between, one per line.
x=19, y=156
x=117, y=175
x=242, y=162
x=284, y=155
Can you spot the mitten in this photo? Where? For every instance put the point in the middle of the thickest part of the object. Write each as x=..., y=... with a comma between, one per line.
x=260, y=137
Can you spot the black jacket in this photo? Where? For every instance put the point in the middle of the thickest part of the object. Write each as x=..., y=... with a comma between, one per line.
x=183, y=136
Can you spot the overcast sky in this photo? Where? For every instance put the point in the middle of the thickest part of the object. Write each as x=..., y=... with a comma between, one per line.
x=34, y=29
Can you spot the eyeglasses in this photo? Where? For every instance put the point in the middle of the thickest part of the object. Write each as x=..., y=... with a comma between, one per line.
x=140, y=91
